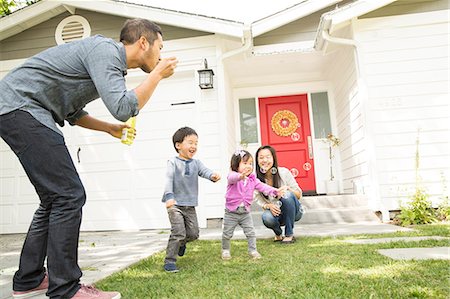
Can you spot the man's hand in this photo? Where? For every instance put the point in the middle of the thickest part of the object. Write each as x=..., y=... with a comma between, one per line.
x=166, y=67
x=170, y=203
x=115, y=130
x=215, y=177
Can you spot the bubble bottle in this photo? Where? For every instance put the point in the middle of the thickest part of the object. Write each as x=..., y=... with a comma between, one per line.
x=128, y=133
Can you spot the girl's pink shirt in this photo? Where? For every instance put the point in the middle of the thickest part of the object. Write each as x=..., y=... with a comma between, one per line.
x=239, y=191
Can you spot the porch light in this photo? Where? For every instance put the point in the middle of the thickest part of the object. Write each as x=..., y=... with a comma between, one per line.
x=205, y=77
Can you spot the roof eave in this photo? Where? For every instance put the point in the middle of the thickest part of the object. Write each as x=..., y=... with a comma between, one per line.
x=333, y=19
x=46, y=9
x=289, y=15
x=28, y=17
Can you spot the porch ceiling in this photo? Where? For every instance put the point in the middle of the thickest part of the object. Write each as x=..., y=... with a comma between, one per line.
x=250, y=70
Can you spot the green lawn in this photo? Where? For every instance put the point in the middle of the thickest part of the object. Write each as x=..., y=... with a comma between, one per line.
x=313, y=267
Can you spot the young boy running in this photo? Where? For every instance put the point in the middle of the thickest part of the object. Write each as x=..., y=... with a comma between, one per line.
x=181, y=194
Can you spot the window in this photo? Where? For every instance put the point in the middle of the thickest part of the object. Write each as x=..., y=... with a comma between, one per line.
x=321, y=114
x=248, y=121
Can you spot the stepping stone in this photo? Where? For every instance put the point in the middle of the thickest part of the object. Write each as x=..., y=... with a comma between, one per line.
x=396, y=239
x=432, y=253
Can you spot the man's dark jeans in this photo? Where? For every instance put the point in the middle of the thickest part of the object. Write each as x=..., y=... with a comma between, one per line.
x=55, y=228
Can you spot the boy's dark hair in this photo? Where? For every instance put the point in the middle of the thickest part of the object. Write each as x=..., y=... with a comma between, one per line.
x=262, y=176
x=133, y=29
x=238, y=156
x=180, y=134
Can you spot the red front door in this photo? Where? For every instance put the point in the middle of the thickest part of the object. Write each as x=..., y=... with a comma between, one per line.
x=285, y=126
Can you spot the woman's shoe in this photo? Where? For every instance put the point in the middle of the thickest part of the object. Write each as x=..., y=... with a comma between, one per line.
x=292, y=240
x=278, y=238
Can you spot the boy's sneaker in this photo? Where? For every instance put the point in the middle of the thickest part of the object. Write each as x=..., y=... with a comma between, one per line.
x=182, y=250
x=89, y=292
x=171, y=267
x=255, y=255
x=226, y=255
x=40, y=289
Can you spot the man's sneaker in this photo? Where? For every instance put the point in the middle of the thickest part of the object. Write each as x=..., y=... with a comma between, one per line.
x=255, y=255
x=182, y=250
x=226, y=255
x=89, y=292
x=41, y=289
x=171, y=267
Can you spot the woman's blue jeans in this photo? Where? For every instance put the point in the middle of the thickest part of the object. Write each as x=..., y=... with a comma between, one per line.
x=55, y=228
x=291, y=211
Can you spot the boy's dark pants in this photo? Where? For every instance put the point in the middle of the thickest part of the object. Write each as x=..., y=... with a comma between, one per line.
x=184, y=229
x=54, y=230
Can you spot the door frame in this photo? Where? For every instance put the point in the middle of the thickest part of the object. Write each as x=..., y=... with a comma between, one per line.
x=291, y=89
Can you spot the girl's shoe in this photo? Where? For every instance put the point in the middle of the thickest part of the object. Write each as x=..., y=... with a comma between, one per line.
x=226, y=255
x=255, y=255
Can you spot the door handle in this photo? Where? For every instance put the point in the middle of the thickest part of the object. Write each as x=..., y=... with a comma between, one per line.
x=310, y=149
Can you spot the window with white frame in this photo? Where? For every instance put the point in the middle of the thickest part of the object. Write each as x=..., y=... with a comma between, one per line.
x=321, y=114
x=248, y=121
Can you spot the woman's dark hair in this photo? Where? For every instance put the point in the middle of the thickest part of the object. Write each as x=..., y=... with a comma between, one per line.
x=238, y=156
x=180, y=134
x=133, y=29
x=263, y=175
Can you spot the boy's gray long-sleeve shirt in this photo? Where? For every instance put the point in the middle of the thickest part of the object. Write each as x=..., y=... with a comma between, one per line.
x=182, y=180
x=56, y=84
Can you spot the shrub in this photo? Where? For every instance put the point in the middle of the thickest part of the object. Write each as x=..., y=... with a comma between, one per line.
x=418, y=210
x=443, y=210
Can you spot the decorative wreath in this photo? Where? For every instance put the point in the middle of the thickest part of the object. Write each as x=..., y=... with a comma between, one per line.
x=284, y=123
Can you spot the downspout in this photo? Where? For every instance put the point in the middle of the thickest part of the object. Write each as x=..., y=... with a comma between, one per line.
x=247, y=40
x=362, y=89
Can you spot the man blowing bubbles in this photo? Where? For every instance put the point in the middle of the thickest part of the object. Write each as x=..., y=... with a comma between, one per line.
x=52, y=87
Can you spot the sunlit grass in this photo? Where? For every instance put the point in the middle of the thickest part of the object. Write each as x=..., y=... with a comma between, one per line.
x=313, y=267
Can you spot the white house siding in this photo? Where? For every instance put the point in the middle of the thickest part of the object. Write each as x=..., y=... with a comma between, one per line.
x=406, y=67
x=348, y=108
x=42, y=36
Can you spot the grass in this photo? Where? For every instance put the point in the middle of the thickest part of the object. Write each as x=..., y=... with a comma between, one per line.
x=313, y=267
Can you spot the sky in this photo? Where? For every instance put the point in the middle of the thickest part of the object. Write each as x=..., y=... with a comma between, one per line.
x=246, y=11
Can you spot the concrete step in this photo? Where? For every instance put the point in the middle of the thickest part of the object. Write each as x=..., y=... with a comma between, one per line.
x=336, y=201
x=330, y=209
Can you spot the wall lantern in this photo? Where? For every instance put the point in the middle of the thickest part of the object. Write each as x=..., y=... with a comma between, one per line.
x=205, y=77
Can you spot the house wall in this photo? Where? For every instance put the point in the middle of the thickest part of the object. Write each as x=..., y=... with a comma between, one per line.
x=42, y=36
x=348, y=108
x=405, y=63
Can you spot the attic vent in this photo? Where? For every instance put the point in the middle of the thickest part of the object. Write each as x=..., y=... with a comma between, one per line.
x=71, y=29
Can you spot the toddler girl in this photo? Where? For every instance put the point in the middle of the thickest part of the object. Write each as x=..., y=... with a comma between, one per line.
x=241, y=184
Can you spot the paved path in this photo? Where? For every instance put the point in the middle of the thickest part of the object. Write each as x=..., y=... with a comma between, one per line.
x=435, y=253
x=103, y=253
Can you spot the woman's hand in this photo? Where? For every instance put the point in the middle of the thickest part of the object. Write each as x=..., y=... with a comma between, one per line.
x=274, y=209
